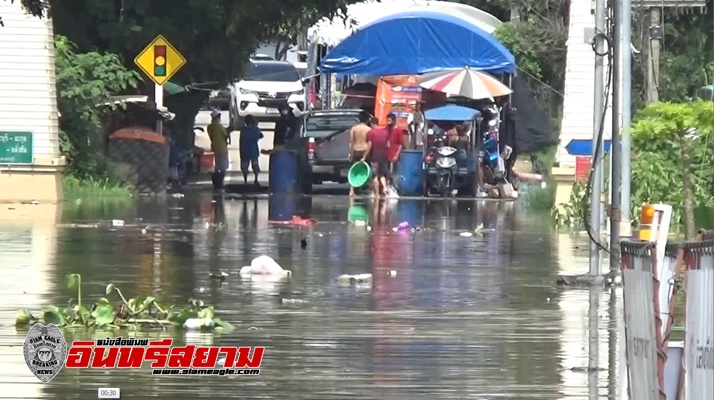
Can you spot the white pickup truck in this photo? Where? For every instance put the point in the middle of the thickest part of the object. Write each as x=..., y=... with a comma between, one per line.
x=265, y=87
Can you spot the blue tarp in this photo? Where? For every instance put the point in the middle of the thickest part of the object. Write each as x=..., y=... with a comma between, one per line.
x=451, y=113
x=417, y=42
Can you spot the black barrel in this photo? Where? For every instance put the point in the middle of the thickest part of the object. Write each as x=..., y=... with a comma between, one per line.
x=283, y=172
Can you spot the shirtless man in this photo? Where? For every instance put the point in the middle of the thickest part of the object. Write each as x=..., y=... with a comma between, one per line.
x=358, y=141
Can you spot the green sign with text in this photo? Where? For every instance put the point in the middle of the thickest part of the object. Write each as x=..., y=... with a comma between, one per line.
x=16, y=148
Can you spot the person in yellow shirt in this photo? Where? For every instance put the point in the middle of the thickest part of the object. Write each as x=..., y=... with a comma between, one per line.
x=219, y=146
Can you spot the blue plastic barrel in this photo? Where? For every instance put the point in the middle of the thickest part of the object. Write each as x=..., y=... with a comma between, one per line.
x=283, y=172
x=409, y=173
x=282, y=207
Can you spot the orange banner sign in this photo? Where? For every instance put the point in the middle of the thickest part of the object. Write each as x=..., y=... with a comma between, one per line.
x=397, y=94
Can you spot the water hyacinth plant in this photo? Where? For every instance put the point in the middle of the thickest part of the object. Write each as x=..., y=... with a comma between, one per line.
x=136, y=313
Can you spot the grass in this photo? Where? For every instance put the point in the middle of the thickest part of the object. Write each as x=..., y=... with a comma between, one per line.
x=92, y=199
x=94, y=189
x=543, y=199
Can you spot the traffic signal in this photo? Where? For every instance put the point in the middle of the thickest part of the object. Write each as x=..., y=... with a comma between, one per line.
x=160, y=60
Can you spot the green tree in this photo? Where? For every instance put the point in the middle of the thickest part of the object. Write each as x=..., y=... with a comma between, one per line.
x=537, y=40
x=685, y=58
x=528, y=58
x=84, y=81
x=35, y=8
x=215, y=36
x=286, y=34
x=672, y=158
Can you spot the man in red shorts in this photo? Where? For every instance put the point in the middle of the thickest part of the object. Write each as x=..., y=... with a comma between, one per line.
x=377, y=152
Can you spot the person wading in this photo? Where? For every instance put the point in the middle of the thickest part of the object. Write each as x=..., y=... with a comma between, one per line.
x=249, y=150
x=396, y=143
x=377, y=151
x=358, y=141
x=219, y=146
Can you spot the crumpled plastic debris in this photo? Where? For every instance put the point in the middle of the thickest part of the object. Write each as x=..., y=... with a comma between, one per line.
x=264, y=265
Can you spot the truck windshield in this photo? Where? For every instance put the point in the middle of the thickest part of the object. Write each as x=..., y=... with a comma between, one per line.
x=271, y=72
x=320, y=126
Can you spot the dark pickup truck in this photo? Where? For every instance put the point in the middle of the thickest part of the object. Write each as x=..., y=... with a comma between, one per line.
x=323, y=146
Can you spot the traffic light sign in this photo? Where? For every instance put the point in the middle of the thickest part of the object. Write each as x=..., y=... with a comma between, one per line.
x=160, y=60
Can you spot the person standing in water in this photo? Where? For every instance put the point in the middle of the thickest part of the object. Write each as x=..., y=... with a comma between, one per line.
x=396, y=143
x=249, y=150
x=219, y=146
x=377, y=152
x=358, y=141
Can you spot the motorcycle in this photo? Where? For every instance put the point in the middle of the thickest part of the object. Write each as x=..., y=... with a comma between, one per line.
x=492, y=171
x=442, y=159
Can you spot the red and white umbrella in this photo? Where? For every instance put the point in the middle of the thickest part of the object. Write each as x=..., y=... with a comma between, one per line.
x=466, y=83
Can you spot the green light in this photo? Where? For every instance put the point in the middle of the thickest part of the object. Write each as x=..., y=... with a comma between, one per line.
x=160, y=71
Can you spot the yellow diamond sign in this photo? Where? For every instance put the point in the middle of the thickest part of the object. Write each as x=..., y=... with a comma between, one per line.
x=160, y=60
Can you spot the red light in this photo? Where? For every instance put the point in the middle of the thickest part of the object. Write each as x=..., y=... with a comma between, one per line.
x=160, y=50
x=311, y=146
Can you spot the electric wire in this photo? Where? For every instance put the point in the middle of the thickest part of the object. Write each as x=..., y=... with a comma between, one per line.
x=601, y=130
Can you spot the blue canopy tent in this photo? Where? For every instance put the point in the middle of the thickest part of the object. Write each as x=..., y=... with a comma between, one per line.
x=451, y=112
x=417, y=42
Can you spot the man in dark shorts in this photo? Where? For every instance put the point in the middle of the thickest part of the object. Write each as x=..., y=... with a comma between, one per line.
x=358, y=140
x=377, y=152
x=396, y=142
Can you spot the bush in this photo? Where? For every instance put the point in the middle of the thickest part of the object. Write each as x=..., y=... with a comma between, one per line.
x=86, y=81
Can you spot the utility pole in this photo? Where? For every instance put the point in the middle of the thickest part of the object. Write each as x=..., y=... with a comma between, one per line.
x=655, y=35
x=615, y=149
x=598, y=121
x=626, y=114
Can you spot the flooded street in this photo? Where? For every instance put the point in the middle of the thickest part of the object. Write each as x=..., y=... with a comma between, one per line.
x=447, y=316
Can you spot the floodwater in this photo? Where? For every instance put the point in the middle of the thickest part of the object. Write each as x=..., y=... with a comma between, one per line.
x=446, y=317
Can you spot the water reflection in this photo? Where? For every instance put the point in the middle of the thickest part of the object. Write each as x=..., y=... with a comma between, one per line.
x=28, y=247
x=446, y=316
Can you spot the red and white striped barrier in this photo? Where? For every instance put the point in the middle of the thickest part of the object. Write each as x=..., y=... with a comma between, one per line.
x=643, y=326
x=699, y=326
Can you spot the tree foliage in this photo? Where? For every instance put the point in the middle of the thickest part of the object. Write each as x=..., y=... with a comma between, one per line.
x=672, y=157
x=84, y=82
x=37, y=8
x=215, y=36
x=287, y=33
x=685, y=57
x=537, y=40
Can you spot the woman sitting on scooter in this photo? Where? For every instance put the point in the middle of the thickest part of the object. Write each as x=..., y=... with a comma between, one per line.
x=458, y=138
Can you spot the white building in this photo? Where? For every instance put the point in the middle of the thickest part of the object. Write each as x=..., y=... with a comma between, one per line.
x=578, y=121
x=28, y=103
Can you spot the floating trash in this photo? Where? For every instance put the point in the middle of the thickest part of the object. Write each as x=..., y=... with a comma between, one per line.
x=264, y=265
x=358, y=279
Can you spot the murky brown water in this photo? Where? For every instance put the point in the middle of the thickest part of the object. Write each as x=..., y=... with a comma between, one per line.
x=463, y=318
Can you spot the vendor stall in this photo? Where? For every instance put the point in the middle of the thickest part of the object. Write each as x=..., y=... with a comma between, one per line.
x=415, y=43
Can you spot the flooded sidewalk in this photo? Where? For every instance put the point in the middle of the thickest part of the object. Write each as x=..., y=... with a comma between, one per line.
x=462, y=301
